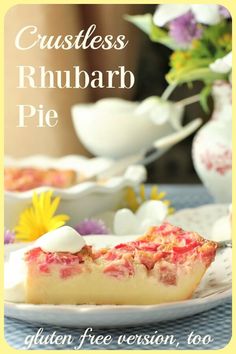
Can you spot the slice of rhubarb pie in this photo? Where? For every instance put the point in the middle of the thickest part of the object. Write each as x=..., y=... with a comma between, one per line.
x=164, y=265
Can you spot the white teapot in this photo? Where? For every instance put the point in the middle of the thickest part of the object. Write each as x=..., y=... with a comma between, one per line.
x=114, y=127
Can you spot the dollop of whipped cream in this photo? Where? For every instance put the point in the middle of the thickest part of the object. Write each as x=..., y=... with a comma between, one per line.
x=64, y=239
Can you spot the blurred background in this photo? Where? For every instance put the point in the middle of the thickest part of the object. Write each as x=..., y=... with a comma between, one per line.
x=148, y=61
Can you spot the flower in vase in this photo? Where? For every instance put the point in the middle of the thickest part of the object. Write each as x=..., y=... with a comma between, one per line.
x=222, y=65
x=39, y=218
x=185, y=29
x=9, y=236
x=198, y=35
x=91, y=227
x=205, y=14
x=224, y=12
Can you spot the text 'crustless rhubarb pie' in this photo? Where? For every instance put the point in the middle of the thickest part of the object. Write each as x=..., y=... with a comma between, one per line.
x=164, y=265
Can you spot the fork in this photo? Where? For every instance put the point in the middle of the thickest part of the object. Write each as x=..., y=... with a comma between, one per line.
x=224, y=244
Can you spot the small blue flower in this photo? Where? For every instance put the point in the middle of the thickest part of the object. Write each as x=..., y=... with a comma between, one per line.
x=9, y=236
x=91, y=227
x=224, y=12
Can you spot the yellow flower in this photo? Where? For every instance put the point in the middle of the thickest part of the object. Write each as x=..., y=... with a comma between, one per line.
x=225, y=41
x=195, y=43
x=179, y=58
x=225, y=38
x=133, y=200
x=39, y=218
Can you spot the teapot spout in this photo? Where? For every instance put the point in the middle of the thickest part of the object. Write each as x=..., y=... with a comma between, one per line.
x=176, y=137
x=160, y=146
x=176, y=120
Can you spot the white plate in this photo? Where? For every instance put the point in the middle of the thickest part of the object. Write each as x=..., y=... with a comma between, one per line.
x=200, y=219
x=214, y=289
x=80, y=201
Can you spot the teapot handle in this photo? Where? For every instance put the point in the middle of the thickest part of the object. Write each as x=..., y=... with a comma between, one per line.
x=160, y=146
x=176, y=121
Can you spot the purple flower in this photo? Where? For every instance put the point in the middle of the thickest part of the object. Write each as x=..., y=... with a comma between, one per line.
x=91, y=227
x=9, y=236
x=224, y=12
x=184, y=29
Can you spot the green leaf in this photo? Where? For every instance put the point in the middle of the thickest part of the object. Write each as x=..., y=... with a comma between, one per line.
x=184, y=75
x=143, y=22
x=204, y=95
x=160, y=35
x=156, y=34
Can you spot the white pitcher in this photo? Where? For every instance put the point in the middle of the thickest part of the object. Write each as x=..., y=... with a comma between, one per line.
x=212, y=146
